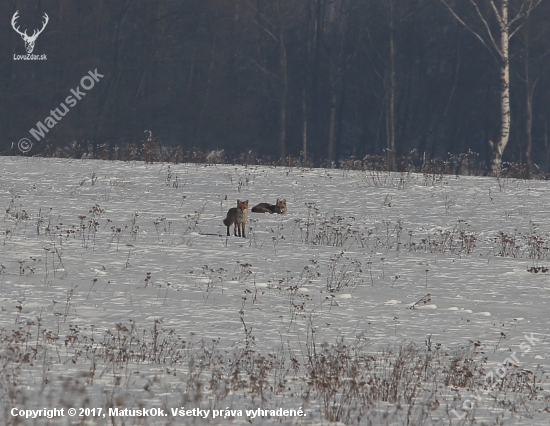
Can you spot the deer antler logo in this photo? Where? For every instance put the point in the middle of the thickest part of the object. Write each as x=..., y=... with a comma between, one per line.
x=29, y=40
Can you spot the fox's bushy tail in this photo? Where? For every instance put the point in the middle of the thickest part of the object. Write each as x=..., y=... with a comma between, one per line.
x=226, y=221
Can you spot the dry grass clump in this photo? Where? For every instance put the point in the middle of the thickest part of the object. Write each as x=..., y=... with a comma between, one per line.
x=534, y=245
x=338, y=231
x=344, y=381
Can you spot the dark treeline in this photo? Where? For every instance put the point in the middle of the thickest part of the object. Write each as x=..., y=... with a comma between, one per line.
x=327, y=79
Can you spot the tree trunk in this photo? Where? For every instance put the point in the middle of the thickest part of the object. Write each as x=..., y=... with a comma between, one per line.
x=528, y=133
x=529, y=90
x=505, y=89
x=191, y=67
x=284, y=90
x=198, y=136
x=391, y=101
x=331, y=127
x=306, y=87
x=529, y=128
x=105, y=103
x=340, y=109
x=546, y=147
x=304, y=127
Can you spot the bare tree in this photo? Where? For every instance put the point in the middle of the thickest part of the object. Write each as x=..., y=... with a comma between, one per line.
x=272, y=23
x=390, y=116
x=497, y=42
x=284, y=80
x=533, y=70
x=340, y=52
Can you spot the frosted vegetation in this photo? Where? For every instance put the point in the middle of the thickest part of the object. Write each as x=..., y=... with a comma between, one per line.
x=383, y=299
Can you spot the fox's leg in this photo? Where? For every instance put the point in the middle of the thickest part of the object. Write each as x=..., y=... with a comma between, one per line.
x=238, y=226
x=228, y=233
x=244, y=226
x=235, y=229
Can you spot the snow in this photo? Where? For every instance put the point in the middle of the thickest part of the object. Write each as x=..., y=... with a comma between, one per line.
x=125, y=243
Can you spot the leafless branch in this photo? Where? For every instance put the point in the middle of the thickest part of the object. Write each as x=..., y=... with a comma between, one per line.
x=266, y=30
x=495, y=10
x=477, y=35
x=519, y=15
x=261, y=68
x=486, y=25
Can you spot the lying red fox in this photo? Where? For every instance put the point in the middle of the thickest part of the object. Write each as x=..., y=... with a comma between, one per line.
x=279, y=207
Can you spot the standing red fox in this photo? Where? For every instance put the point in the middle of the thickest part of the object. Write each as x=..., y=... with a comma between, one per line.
x=279, y=207
x=237, y=216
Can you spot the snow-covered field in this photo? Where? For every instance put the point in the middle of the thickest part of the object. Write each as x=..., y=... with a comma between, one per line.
x=378, y=299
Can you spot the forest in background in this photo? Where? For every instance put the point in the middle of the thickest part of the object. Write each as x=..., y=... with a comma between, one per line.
x=328, y=80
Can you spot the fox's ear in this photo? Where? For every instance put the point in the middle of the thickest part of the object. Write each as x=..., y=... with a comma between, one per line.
x=284, y=201
x=238, y=201
x=277, y=201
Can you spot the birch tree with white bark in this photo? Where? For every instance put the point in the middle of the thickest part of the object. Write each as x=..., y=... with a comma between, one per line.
x=496, y=38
